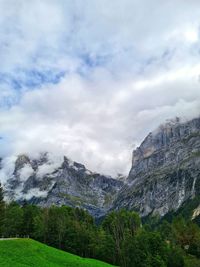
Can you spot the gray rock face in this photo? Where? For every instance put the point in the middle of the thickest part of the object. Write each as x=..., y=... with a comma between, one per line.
x=165, y=170
x=165, y=173
x=39, y=182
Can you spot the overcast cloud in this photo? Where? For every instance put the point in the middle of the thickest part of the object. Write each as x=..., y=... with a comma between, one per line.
x=90, y=79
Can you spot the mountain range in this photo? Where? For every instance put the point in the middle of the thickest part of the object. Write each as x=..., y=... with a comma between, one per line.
x=165, y=173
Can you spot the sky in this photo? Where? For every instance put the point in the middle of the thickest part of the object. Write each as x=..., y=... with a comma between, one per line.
x=90, y=79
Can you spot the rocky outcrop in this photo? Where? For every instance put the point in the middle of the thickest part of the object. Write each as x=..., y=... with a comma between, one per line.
x=43, y=182
x=165, y=170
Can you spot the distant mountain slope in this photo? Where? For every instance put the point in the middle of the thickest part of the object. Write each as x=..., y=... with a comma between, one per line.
x=165, y=174
x=165, y=170
x=27, y=252
x=45, y=182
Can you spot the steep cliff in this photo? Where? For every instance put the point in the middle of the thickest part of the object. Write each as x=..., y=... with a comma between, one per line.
x=165, y=170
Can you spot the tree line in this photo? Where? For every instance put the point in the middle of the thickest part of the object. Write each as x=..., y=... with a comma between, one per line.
x=120, y=239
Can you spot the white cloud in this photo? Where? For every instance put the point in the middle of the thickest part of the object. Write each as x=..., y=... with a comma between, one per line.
x=25, y=172
x=48, y=168
x=98, y=130
x=126, y=71
x=34, y=192
x=7, y=169
x=191, y=35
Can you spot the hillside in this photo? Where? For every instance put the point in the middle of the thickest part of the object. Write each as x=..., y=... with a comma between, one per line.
x=27, y=252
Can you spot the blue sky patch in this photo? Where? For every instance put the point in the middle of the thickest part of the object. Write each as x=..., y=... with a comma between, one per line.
x=30, y=78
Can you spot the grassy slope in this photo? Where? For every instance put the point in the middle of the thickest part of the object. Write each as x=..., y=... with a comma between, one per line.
x=27, y=252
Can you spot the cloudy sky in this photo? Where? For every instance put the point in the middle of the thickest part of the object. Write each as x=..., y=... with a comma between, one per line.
x=90, y=79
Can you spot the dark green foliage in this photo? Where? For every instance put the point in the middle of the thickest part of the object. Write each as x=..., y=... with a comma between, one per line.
x=13, y=221
x=166, y=231
x=194, y=248
x=185, y=233
x=121, y=225
x=175, y=258
x=105, y=246
x=119, y=239
x=146, y=249
x=29, y=214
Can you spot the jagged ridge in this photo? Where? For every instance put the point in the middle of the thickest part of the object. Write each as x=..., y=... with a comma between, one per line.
x=42, y=182
x=165, y=173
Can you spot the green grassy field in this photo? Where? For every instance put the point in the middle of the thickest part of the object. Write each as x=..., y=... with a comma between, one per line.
x=27, y=252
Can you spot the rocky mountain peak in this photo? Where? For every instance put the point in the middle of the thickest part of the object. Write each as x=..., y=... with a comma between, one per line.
x=21, y=161
x=165, y=169
x=46, y=181
x=157, y=149
x=165, y=173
